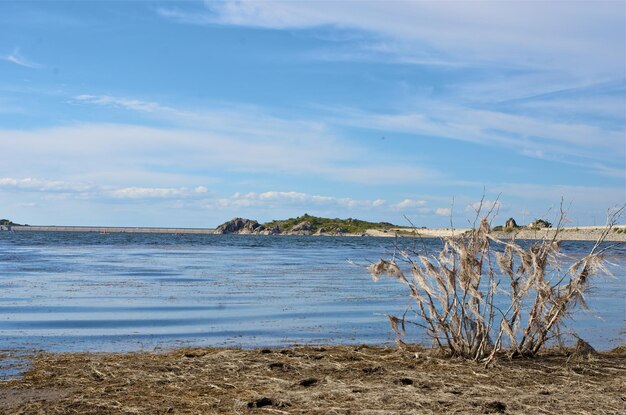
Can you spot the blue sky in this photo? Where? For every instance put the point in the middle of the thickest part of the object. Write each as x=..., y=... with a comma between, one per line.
x=191, y=113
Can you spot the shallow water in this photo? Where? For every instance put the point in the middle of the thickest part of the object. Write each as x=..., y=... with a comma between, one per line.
x=90, y=292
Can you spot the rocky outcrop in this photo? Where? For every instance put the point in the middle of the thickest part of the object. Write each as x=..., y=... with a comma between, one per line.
x=302, y=228
x=334, y=230
x=240, y=226
x=272, y=231
x=540, y=224
x=510, y=224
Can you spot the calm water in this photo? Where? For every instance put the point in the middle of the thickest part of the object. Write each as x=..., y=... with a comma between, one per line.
x=85, y=291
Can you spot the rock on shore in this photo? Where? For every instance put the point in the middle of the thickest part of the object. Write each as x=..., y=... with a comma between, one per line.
x=240, y=226
x=302, y=228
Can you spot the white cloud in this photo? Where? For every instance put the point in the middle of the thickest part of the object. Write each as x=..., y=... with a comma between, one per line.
x=17, y=58
x=517, y=54
x=478, y=31
x=42, y=185
x=525, y=135
x=147, y=193
x=279, y=143
x=81, y=190
x=131, y=104
x=484, y=206
x=389, y=173
x=229, y=139
x=270, y=199
x=409, y=204
x=296, y=196
x=443, y=211
x=277, y=199
x=598, y=196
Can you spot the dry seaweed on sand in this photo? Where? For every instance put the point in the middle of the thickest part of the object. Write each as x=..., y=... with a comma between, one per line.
x=314, y=380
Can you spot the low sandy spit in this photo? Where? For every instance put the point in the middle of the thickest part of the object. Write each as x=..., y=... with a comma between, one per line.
x=106, y=229
x=314, y=380
x=586, y=233
x=617, y=234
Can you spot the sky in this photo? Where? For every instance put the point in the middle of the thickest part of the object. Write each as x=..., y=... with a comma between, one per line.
x=190, y=113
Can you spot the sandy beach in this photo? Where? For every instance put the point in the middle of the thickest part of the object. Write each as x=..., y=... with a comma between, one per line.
x=314, y=380
x=582, y=233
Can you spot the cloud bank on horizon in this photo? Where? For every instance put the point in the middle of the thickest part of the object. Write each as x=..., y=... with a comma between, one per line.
x=190, y=113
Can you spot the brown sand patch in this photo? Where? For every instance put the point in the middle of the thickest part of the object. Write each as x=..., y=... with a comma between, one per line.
x=310, y=380
x=13, y=398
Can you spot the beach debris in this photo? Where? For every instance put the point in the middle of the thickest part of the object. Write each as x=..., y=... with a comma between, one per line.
x=495, y=407
x=582, y=350
x=370, y=370
x=279, y=366
x=233, y=380
x=308, y=382
x=404, y=382
x=261, y=402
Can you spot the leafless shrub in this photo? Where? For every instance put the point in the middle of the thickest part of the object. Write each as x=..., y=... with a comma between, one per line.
x=455, y=291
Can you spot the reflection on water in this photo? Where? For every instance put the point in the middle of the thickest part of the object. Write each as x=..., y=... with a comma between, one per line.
x=84, y=291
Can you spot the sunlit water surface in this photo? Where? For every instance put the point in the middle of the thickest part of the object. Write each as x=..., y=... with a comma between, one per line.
x=92, y=292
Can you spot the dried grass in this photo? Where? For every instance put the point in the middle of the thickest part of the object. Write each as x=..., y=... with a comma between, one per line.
x=455, y=292
x=331, y=380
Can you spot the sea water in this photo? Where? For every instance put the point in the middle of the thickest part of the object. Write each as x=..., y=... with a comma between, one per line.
x=69, y=291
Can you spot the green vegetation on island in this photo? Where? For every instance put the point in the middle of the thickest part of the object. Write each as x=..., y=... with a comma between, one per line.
x=327, y=225
x=8, y=222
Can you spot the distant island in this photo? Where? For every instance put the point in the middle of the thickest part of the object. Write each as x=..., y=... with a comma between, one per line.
x=303, y=225
x=318, y=226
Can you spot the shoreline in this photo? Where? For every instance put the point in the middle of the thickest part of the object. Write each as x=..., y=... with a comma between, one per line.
x=314, y=380
x=582, y=233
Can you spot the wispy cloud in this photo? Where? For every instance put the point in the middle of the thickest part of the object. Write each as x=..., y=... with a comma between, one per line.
x=263, y=143
x=154, y=192
x=591, y=146
x=484, y=206
x=266, y=200
x=43, y=185
x=18, y=59
x=409, y=204
x=273, y=199
x=595, y=148
x=477, y=31
x=443, y=211
x=54, y=186
x=599, y=196
x=522, y=70
x=84, y=190
x=131, y=104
